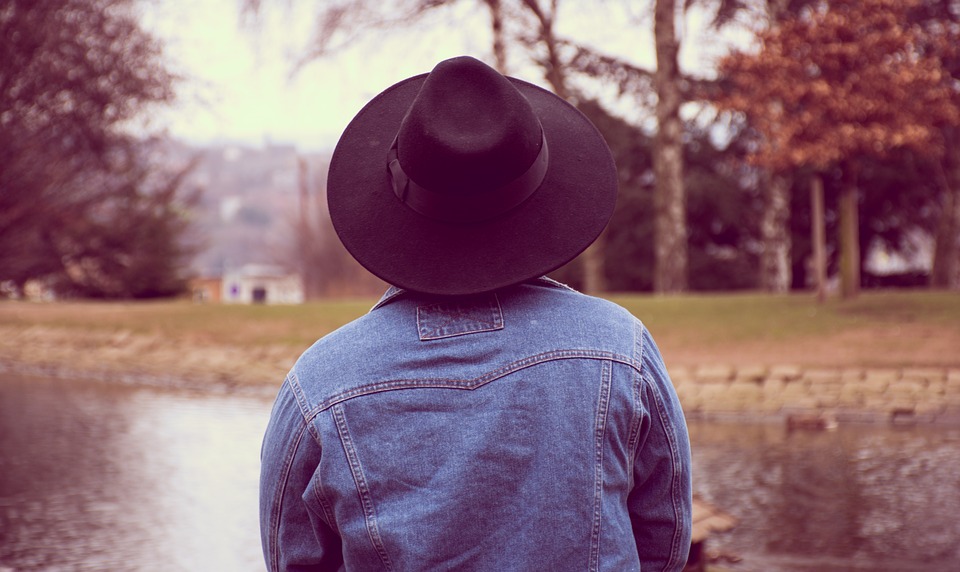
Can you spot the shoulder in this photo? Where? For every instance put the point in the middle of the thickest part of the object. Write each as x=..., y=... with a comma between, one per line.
x=562, y=302
x=570, y=319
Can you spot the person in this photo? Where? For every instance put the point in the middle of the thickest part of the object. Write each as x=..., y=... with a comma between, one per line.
x=480, y=416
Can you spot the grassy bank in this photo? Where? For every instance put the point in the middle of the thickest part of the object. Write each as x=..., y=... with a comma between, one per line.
x=257, y=344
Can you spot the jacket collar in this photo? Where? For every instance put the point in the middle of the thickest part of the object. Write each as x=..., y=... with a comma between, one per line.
x=394, y=292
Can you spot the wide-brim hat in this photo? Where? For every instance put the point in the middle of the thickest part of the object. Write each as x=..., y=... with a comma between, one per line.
x=463, y=181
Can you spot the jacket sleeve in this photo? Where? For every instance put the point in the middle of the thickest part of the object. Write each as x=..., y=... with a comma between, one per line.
x=661, y=502
x=292, y=537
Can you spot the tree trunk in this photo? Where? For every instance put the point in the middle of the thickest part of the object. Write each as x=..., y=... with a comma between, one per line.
x=849, y=239
x=775, y=266
x=594, y=275
x=305, y=233
x=818, y=237
x=775, y=233
x=670, y=226
x=496, y=26
x=946, y=255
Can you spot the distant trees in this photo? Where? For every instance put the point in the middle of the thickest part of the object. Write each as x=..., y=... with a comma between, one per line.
x=80, y=204
x=839, y=83
x=860, y=96
x=325, y=266
x=939, y=21
x=531, y=25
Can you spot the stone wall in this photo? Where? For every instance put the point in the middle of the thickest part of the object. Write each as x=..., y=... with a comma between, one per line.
x=834, y=395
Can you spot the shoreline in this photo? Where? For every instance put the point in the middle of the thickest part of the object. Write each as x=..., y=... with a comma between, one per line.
x=821, y=398
x=802, y=398
x=206, y=383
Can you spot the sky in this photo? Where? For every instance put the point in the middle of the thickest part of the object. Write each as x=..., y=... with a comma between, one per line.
x=239, y=82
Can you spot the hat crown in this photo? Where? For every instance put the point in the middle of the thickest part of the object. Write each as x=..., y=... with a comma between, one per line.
x=469, y=130
x=463, y=181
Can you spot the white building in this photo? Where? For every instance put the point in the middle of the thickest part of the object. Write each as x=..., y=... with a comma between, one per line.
x=262, y=284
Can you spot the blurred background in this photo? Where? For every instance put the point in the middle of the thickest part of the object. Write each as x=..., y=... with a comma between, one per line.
x=789, y=191
x=800, y=144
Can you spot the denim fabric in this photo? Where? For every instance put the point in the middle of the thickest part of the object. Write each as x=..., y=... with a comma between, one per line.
x=531, y=429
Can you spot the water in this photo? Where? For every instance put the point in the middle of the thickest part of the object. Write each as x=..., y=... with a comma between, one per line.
x=94, y=477
x=861, y=498
x=97, y=477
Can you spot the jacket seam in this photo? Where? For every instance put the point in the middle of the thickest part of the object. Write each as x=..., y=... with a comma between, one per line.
x=303, y=405
x=636, y=387
x=675, y=485
x=471, y=383
x=279, y=493
x=603, y=401
x=325, y=506
x=363, y=490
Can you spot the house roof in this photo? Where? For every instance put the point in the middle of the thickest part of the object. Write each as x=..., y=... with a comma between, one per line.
x=261, y=271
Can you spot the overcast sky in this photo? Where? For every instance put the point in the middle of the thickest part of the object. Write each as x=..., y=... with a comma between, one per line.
x=239, y=85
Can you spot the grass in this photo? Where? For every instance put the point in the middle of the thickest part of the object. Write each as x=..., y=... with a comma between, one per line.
x=883, y=328
x=741, y=317
x=238, y=325
x=877, y=329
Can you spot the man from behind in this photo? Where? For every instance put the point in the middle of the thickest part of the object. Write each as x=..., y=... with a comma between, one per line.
x=480, y=416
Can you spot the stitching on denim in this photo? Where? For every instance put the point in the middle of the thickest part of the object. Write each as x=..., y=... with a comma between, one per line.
x=675, y=547
x=453, y=316
x=281, y=490
x=467, y=384
x=297, y=389
x=636, y=388
x=325, y=506
x=603, y=402
x=303, y=404
x=366, y=500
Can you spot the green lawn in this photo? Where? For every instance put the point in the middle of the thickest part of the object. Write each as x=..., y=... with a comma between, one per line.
x=879, y=328
x=740, y=317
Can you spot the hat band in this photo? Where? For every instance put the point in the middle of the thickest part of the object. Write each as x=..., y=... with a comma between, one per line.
x=472, y=207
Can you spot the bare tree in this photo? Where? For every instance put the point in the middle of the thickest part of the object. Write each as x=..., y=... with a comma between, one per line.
x=534, y=20
x=670, y=235
x=72, y=73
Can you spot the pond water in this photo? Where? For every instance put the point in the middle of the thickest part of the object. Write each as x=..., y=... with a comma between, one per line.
x=101, y=477
x=860, y=498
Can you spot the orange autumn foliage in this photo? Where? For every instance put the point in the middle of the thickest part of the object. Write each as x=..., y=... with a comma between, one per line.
x=845, y=79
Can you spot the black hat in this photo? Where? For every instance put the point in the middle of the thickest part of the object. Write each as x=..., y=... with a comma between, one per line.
x=463, y=181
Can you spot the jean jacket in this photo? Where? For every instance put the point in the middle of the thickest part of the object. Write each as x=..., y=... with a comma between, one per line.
x=534, y=428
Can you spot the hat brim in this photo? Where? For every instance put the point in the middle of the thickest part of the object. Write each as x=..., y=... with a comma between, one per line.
x=404, y=248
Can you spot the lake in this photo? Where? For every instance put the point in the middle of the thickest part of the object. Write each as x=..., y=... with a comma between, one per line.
x=96, y=476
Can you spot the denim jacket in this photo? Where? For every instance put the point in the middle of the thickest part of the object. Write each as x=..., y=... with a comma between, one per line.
x=534, y=428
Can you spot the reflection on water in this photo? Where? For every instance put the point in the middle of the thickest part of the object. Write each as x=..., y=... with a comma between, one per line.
x=858, y=498
x=95, y=477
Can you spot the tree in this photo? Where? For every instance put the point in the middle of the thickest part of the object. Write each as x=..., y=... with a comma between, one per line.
x=325, y=266
x=133, y=243
x=73, y=75
x=531, y=25
x=670, y=237
x=665, y=90
x=940, y=22
x=534, y=20
x=839, y=82
x=721, y=209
